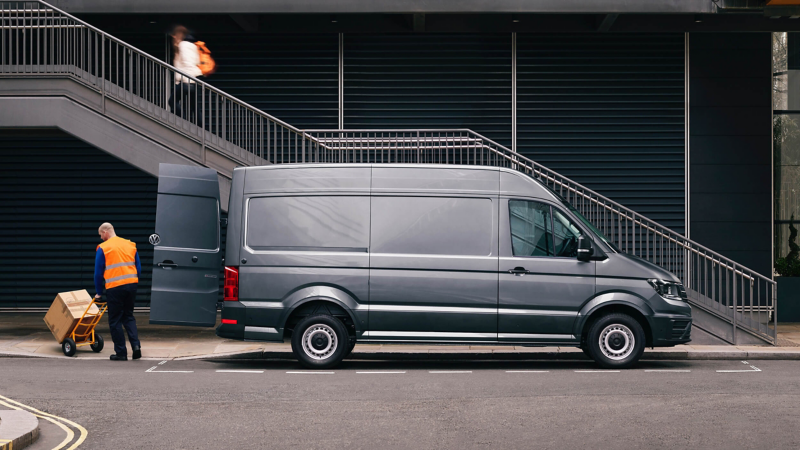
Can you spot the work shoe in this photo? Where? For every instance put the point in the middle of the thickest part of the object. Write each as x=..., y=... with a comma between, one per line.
x=118, y=358
x=137, y=353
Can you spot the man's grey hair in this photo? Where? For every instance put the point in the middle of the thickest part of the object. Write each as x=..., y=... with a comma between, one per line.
x=106, y=227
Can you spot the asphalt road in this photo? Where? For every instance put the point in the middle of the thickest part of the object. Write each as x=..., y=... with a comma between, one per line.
x=387, y=405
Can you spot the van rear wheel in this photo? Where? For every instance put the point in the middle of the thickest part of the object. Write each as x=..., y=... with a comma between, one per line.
x=616, y=341
x=320, y=341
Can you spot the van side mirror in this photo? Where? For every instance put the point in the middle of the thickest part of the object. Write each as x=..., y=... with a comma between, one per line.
x=585, y=249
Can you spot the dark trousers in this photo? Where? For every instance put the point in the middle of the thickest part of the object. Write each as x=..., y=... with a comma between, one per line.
x=183, y=101
x=120, y=314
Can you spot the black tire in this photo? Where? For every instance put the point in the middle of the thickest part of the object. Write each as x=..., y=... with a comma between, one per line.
x=621, y=338
x=585, y=350
x=97, y=347
x=326, y=343
x=68, y=347
x=350, y=347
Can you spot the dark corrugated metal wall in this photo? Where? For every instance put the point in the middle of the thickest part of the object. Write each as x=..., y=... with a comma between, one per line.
x=429, y=81
x=56, y=191
x=608, y=112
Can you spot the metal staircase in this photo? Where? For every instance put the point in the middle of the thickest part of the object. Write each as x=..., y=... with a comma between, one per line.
x=46, y=56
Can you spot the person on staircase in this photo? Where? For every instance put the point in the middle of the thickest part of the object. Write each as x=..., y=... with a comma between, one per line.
x=186, y=59
x=116, y=272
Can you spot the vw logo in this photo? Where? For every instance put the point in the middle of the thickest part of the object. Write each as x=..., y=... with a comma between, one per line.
x=155, y=239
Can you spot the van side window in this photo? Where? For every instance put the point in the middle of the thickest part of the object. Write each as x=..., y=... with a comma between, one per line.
x=432, y=226
x=566, y=235
x=531, y=233
x=308, y=223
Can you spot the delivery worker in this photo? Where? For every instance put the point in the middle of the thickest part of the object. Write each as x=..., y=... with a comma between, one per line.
x=116, y=271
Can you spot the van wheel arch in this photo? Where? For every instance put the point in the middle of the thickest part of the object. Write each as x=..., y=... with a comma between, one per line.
x=617, y=308
x=319, y=306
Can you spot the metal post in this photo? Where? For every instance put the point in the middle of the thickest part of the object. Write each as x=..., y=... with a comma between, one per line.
x=103, y=70
x=514, y=92
x=733, y=300
x=203, y=122
x=341, y=81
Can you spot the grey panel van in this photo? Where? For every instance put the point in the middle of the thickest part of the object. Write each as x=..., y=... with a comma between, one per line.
x=330, y=255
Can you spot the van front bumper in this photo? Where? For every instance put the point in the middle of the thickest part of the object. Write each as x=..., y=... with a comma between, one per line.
x=669, y=330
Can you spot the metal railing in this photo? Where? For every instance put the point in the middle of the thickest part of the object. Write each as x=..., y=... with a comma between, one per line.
x=743, y=297
x=37, y=39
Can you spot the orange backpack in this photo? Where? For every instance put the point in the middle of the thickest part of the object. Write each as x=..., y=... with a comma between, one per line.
x=207, y=65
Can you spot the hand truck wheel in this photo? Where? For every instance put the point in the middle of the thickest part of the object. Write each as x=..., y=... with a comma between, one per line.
x=97, y=347
x=68, y=347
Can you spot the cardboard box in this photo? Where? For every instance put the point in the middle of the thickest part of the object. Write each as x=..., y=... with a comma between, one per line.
x=65, y=312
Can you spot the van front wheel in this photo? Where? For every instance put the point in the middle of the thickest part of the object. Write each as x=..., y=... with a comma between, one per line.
x=616, y=341
x=320, y=342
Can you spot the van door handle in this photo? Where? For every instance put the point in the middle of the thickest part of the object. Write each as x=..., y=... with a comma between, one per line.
x=167, y=265
x=519, y=271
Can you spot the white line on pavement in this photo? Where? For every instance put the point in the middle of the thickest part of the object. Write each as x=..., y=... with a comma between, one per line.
x=313, y=373
x=172, y=371
x=667, y=370
x=162, y=363
x=753, y=369
x=527, y=371
x=596, y=371
x=240, y=371
x=449, y=371
x=379, y=372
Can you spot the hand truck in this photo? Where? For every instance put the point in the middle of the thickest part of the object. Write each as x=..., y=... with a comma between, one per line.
x=83, y=333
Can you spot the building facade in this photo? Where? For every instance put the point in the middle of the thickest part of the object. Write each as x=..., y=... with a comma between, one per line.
x=669, y=109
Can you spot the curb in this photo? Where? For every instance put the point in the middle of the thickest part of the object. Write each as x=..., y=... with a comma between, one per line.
x=18, y=429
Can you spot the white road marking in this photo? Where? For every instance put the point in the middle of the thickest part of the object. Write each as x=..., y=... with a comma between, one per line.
x=313, y=373
x=379, y=372
x=596, y=371
x=527, y=371
x=153, y=369
x=240, y=371
x=752, y=369
x=449, y=371
x=667, y=370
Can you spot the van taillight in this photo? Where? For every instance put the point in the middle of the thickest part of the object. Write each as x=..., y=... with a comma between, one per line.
x=231, y=287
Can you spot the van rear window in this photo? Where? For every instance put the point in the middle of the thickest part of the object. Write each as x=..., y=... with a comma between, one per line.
x=432, y=226
x=308, y=223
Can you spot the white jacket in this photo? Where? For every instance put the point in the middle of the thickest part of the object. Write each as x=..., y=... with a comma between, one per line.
x=187, y=61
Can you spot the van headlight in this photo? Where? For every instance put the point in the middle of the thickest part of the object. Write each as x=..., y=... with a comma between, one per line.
x=670, y=290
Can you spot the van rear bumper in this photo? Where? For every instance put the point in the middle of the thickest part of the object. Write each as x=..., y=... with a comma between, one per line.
x=670, y=330
x=236, y=311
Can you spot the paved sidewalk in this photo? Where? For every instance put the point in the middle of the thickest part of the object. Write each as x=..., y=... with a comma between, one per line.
x=26, y=335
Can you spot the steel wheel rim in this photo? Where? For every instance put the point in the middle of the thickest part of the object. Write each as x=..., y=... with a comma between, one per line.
x=67, y=347
x=617, y=342
x=314, y=336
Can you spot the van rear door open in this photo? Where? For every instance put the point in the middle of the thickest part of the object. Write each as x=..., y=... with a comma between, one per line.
x=186, y=259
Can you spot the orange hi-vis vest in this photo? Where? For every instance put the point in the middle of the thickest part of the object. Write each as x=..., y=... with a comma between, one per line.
x=120, y=257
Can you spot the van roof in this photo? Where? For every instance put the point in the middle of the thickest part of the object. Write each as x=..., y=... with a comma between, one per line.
x=518, y=184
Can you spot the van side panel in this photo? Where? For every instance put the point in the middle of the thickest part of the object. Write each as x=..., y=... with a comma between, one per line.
x=305, y=233
x=433, y=273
